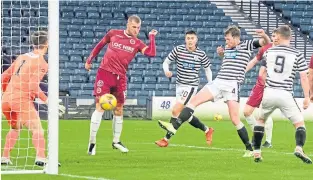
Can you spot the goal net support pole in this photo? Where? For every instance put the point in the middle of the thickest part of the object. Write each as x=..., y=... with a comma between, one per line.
x=53, y=88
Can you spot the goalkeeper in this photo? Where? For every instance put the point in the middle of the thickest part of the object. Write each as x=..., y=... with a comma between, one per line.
x=20, y=86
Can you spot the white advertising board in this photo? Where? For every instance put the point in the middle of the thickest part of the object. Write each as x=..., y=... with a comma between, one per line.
x=162, y=106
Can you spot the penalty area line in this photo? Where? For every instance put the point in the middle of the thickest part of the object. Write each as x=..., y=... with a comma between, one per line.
x=83, y=177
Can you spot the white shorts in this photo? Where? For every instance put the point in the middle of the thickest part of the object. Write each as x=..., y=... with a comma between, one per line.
x=283, y=100
x=184, y=93
x=226, y=90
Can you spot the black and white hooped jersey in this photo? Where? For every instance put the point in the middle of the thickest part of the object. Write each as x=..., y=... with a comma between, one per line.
x=282, y=63
x=188, y=64
x=236, y=60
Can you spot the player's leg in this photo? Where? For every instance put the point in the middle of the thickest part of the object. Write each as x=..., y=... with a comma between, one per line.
x=268, y=132
x=12, y=135
x=233, y=109
x=248, y=113
x=269, y=104
x=177, y=108
x=101, y=87
x=117, y=123
x=207, y=93
x=291, y=110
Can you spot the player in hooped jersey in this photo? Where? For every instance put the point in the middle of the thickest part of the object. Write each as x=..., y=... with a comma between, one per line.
x=226, y=85
x=282, y=62
x=123, y=45
x=189, y=59
x=20, y=86
x=256, y=95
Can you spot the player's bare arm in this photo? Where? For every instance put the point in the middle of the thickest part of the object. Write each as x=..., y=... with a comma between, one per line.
x=311, y=83
x=265, y=39
x=305, y=86
x=97, y=49
x=166, y=68
x=151, y=49
x=251, y=64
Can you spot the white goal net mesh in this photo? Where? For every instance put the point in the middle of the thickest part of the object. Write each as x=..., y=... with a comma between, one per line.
x=19, y=19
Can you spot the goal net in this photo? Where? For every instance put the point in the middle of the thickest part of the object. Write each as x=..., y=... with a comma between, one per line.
x=19, y=19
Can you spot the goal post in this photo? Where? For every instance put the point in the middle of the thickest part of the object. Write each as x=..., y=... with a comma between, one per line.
x=53, y=87
x=19, y=19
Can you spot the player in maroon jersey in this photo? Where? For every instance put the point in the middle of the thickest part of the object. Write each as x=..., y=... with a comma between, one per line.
x=123, y=45
x=311, y=78
x=256, y=95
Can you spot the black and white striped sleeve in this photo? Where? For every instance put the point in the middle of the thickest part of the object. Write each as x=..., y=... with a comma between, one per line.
x=301, y=63
x=172, y=56
x=252, y=44
x=205, y=61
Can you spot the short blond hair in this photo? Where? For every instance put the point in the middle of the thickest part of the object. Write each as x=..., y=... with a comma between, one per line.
x=134, y=18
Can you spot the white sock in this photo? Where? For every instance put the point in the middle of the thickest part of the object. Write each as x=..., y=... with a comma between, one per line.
x=251, y=121
x=94, y=125
x=117, y=128
x=269, y=129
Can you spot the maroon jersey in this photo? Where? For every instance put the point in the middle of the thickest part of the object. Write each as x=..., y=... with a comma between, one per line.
x=121, y=50
x=311, y=63
x=259, y=56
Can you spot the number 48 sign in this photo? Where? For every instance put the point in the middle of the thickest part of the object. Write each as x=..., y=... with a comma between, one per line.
x=165, y=105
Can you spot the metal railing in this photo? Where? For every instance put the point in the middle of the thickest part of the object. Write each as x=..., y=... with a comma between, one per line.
x=278, y=17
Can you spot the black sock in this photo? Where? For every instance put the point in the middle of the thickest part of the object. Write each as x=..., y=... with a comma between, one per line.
x=195, y=122
x=183, y=116
x=169, y=135
x=243, y=134
x=173, y=119
x=300, y=136
x=258, y=136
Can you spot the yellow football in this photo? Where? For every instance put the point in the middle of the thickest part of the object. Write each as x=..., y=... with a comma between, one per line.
x=107, y=102
x=218, y=117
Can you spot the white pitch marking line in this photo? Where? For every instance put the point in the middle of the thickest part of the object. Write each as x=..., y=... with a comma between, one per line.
x=83, y=177
x=227, y=149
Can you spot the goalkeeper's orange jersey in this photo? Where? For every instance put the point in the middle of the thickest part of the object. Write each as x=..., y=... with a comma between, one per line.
x=21, y=81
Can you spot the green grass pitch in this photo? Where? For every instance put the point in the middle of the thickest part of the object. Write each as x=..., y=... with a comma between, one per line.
x=187, y=157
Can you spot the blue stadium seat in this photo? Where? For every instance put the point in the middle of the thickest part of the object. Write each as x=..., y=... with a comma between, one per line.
x=63, y=57
x=141, y=93
x=87, y=86
x=156, y=60
x=148, y=86
x=132, y=10
x=196, y=24
x=75, y=58
x=74, y=93
x=136, y=79
x=152, y=67
x=173, y=79
x=131, y=94
x=172, y=86
x=78, y=79
x=80, y=72
x=158, y=11
x=67, y=14
x=66, y=72
x=92, y=79
x=175, y=5
x=71, y=65
x=90, y=21
x=176, y=17
x=87, y=34
x=64, y=79
x=189, y=17
x=162, y=5
x=134, y=86
x=85, y=93
x=150, y=4
x=163, y=80
x=143, y=60
x=182, y=23
x=163, y=17
x=138, y=66
x=92, y=9
x=179, y=11
x=158, y=23
x=74, y=86
x=150, y=79
x=169, y=93
x=63, y=86
x=93, y=15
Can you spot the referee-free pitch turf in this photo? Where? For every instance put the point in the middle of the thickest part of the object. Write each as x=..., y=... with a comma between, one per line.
x=187, y=156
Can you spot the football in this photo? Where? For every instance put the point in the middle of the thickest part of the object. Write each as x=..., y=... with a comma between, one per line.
x=107, y=102
x=218, y=117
